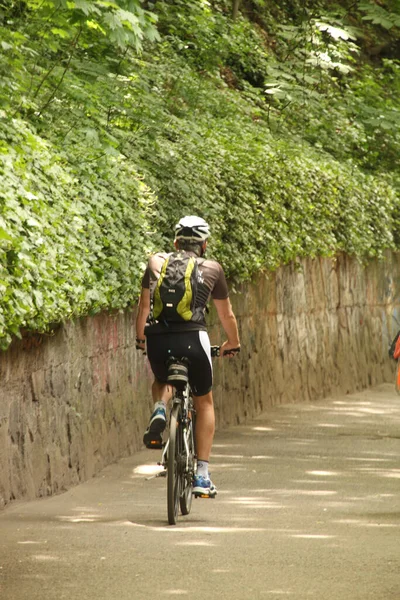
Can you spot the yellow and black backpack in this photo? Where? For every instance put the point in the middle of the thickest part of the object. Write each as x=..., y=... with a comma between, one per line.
x=174, y=298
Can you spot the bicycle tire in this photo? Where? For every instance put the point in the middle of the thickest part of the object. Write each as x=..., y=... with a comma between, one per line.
x=174, y=467
x=187, y=478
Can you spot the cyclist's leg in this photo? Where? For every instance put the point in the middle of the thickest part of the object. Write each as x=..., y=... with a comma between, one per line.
x=161, y=391
x=157, y=350
x=205, y=425
x=201, y=379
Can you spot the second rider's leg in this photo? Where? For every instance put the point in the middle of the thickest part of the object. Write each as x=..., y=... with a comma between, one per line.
x=157, y=353
x=161, y=393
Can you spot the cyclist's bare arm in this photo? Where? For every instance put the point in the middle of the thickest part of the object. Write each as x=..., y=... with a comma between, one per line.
x=229, y=324
x=142, y=314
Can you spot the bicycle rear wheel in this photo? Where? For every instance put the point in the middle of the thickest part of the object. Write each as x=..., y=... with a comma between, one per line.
x=174, y=466
x=187, y=477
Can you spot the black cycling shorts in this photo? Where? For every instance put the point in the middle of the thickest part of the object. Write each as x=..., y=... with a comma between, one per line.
x=195, y=345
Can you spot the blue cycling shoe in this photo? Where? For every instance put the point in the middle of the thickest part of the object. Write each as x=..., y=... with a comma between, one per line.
x=153, y=435
x=203, y=488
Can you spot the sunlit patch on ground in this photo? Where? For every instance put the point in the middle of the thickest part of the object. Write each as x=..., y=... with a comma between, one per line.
x=80, y=519
x=196, y=529
x=251, y=502
x=348, y=521
x=381, y=525
x=389, y=473
x=367, y=459
x=195, y=543
x=152, y=469
x=323, y=473
x=362, y=523
x=227, y=445
x=390, y=455
x=393, y=474
x=130, y=524
x=311, y=481
x=262, y=457
x=298, y=492
x=228, y=465
x=312, y=536
x=186, y=528
x=227, y=456
x=243, y=519
x=263, y=429
x=360, y=409
x=220, y=570
x=278, y=592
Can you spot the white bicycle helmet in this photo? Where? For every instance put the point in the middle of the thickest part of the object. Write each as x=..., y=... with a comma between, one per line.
x=192, y=229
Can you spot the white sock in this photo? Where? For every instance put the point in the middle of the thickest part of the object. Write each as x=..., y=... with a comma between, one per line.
x=202, y=469
x=159, y=404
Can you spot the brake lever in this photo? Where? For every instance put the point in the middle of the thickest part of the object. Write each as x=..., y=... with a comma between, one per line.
x=231, y=352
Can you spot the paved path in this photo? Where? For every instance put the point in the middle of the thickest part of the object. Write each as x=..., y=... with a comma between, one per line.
x=308, y=508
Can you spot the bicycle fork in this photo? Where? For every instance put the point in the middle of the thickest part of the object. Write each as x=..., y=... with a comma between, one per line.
x=164, y=459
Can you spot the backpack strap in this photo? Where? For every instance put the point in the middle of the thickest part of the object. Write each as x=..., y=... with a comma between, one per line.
x=157, y=303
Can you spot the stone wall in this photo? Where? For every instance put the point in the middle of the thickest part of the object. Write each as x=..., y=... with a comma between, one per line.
x=310, y=330
x=72, y=402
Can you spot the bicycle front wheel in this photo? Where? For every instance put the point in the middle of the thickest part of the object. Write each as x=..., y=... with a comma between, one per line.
x=187, y=477
x=174, y=467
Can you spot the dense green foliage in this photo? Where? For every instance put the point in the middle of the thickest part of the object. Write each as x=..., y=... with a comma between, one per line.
x=282, y=128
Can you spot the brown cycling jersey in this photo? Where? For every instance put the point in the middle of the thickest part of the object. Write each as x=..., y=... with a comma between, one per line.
x=211, y=283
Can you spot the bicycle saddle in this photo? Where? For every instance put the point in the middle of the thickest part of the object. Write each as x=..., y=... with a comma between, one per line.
x=178, y=372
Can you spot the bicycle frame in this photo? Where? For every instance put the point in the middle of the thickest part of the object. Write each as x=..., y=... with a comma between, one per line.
x=185, y=399
x=179, y=453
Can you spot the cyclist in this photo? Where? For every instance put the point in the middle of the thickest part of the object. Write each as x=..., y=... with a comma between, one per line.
x=187, y=339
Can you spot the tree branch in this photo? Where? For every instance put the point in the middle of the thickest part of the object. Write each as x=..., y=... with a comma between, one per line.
x=74, y=44
x=235, y=9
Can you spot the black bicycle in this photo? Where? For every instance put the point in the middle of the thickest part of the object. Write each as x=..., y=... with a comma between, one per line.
x=179, y=454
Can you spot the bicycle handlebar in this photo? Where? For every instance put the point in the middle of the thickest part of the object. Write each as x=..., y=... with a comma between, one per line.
x=216, y=351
